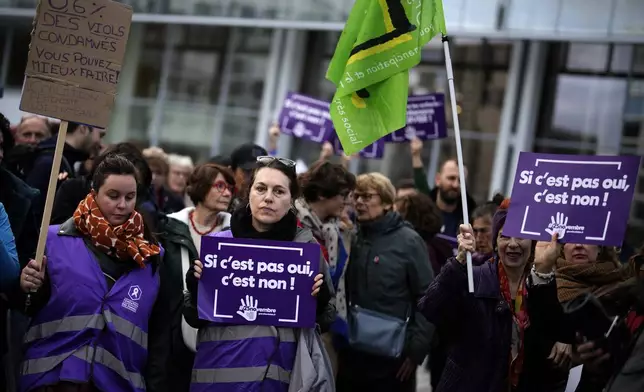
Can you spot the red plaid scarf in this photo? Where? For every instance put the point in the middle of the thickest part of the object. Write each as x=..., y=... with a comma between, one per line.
x=125, y=241
x=520, y=319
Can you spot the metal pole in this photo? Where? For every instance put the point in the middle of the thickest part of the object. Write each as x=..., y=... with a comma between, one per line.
x=222, y=100
x=154, y=128
x=459, y=154
x=529, y=108
x=270, y=84
x=289, y=78
x=6, y=55
x=507, y=120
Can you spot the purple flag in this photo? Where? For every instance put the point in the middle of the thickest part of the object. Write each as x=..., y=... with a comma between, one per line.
x=372, y=151
x=305, y=118
x=258, y=282
x=425, y=119
x=585, y=199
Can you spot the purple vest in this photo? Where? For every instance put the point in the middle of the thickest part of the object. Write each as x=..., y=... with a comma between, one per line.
x=87, y=333
x=243, y=358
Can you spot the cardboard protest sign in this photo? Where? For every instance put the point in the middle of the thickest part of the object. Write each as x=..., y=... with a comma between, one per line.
x=258, y=282
x=585, y=199
x=305, y=118
x=75, y=57
x=372, y=151
x=425, y=119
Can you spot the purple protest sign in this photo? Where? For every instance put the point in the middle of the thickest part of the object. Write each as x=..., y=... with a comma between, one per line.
x=425, y=119
x=376, y=150
x=452, y=241
x=585, y=199
x=258, y=282
x=305, y=118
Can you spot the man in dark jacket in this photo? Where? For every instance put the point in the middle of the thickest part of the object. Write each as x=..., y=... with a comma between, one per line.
x=447, y=191
x=447, y=196
x=81, y=141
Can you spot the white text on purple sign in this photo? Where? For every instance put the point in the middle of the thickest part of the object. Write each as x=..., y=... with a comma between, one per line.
x=574, y=184
x=257, y=268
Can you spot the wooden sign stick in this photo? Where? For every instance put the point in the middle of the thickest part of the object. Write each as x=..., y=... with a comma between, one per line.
x=51, y=192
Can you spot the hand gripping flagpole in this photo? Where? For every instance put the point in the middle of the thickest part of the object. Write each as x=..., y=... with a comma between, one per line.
x=459, y=152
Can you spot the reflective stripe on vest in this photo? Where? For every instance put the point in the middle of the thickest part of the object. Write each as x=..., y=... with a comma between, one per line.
x=93, y=321
x=240, y=332
x=90, y=355
x=246, y=374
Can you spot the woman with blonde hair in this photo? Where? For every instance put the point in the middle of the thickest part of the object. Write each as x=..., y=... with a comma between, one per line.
x=180, y=168
x=387, y=274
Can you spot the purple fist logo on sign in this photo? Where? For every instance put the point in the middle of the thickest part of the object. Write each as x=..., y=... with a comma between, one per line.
x=583, y=199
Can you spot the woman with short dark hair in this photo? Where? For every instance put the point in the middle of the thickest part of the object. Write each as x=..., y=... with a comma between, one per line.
x=95, y=311
x=73, y=190
x=326, y=188
x=258, y=357
x=211, y=188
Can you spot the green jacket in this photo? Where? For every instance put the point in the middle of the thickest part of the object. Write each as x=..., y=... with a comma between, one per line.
x=389, y=271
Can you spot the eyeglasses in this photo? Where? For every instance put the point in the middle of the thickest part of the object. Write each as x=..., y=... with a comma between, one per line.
x=366, y=197
x=221, y=186
x=267, y=160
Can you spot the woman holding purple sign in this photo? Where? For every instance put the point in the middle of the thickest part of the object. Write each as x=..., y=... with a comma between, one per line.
x=258, y=357
x=499, y=338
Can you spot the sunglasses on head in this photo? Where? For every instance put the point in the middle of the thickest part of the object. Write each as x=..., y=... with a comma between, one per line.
x=266, y=160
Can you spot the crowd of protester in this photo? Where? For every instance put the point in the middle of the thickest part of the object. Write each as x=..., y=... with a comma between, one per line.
x=125, y=216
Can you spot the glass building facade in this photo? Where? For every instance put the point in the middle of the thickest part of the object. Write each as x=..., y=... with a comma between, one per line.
x=202, y=76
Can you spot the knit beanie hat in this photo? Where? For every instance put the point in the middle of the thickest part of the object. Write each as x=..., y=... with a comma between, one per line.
x=498, y=220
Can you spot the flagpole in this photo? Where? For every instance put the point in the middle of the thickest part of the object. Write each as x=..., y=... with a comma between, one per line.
x=459, y=153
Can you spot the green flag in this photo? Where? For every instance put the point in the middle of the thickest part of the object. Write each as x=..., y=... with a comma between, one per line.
x=381, y=41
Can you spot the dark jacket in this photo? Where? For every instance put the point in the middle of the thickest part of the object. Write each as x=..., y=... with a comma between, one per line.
x=38, y=177
x=389, y=272
x=167, y=201
x=175, y=235
x=20, y=200
x=69, y=194
x=420, y=182
x=479, y=330
x=458, y=211
x=440, y=250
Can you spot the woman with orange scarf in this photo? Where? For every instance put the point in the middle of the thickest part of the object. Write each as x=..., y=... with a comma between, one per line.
x=95, y=297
